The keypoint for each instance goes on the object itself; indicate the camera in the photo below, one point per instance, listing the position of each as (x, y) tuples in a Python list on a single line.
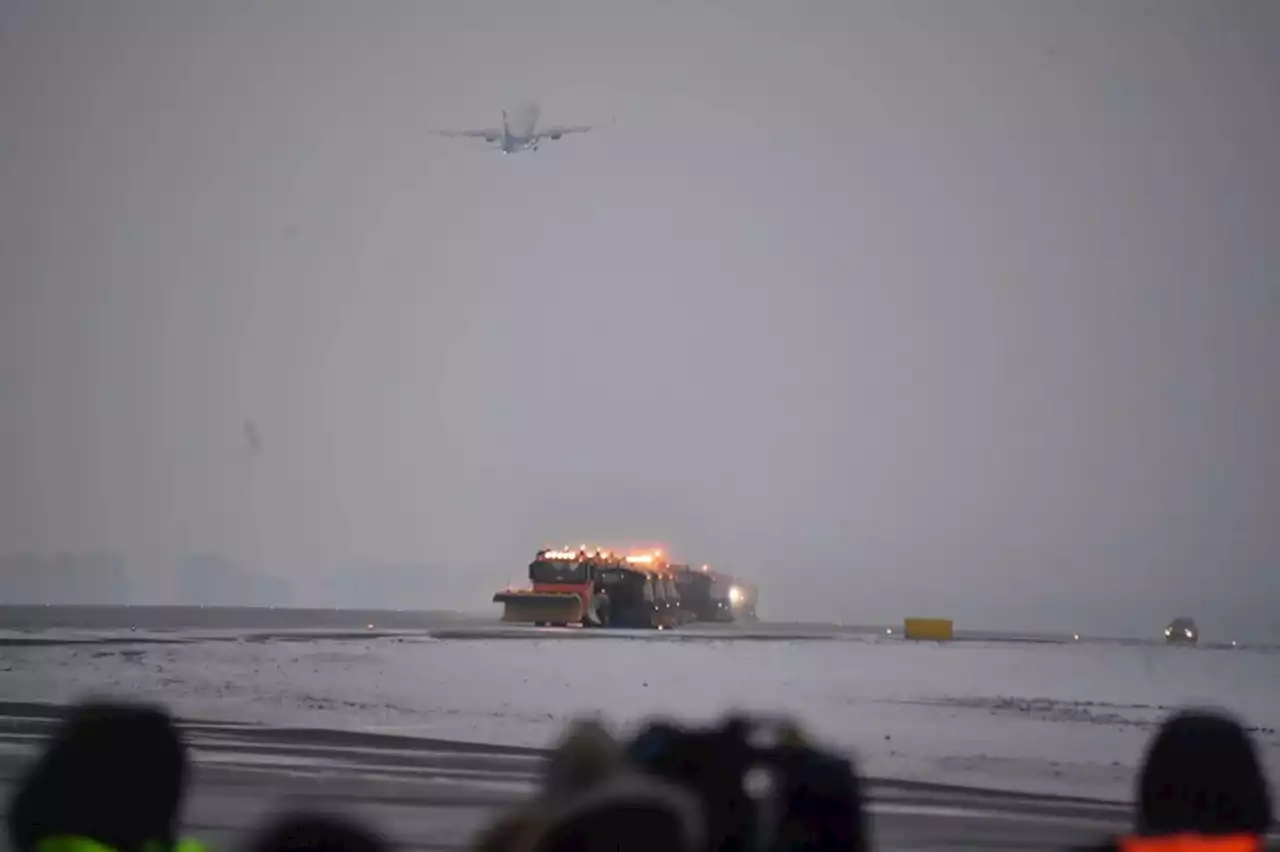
[(763, 787)]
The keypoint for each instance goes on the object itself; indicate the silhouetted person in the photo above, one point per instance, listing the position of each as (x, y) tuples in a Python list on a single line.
[(316, 833), (114, 773), (1202, 788), (1202, 775), (626, 814), (820, 804), (586, 756)]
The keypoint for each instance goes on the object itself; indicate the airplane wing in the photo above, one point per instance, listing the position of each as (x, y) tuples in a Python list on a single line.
[(557, 132), (486, 135)]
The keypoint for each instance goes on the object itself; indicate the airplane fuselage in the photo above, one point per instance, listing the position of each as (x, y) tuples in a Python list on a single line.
[(518, 128), (513, 144)]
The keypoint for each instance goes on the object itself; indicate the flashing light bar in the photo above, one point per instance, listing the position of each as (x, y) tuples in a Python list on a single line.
[(569, 554)]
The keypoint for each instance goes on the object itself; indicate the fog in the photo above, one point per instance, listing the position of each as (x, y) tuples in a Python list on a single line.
[(968, 309)]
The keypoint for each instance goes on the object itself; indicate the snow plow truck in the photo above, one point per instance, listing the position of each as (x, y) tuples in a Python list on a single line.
[(596, 588), (593, 587)]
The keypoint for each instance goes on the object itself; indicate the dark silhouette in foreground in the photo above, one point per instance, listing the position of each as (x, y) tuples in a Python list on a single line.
[(316, 833), (113, 772), (114, 775), (1202, 786)]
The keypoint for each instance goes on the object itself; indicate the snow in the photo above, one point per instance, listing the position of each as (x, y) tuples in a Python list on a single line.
[(1061, 718)]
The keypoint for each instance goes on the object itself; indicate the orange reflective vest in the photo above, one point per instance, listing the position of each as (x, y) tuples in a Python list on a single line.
[(1192, 843)]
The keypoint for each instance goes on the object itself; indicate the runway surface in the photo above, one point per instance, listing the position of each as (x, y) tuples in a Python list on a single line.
[(1065, 714), (433, 794)]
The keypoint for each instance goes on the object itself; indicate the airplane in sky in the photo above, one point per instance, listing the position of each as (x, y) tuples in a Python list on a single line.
[(519, 130)]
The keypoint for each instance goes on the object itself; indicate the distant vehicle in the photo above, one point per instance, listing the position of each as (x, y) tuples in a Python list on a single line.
[(519, 130), (595, 588), (1181, 631), (742, 601), (704, 593)]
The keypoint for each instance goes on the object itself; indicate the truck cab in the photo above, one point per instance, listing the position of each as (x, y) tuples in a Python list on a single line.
[(562, 590)]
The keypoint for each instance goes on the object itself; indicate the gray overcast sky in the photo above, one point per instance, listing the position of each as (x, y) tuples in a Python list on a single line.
[(970, 308)]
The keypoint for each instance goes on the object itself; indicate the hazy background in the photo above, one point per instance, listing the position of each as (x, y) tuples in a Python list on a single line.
[(968, 308)]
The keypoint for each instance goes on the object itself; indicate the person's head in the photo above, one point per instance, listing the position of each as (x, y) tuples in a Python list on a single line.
[(585, 755), (112, 772), (628, 813), (303, 832), (1202, 775), (508, 831)]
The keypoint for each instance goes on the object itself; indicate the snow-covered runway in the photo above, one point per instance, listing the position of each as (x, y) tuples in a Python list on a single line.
[(1054, 718)]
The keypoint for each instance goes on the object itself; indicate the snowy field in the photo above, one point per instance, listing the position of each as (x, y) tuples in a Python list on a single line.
[(1055, 718)]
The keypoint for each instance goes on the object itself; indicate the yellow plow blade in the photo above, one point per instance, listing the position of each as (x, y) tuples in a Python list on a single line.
[(539, 607)]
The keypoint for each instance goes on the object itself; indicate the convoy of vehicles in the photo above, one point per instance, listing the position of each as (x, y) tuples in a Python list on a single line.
[(594, 587)]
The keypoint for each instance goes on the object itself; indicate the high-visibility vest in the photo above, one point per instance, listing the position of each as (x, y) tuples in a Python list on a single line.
[(72, 843), (1192, 843)]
